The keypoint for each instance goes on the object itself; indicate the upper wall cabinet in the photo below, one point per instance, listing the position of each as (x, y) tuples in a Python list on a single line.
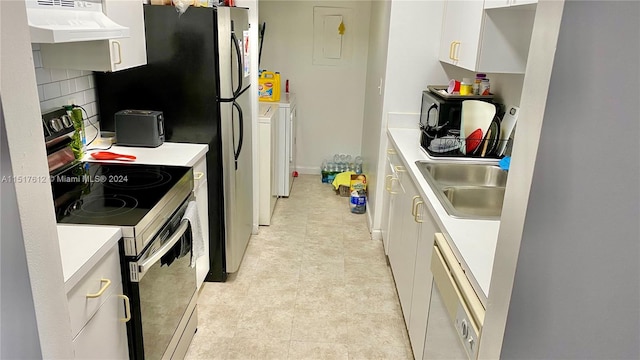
[(494, 41), (492, 4), (104, 55)]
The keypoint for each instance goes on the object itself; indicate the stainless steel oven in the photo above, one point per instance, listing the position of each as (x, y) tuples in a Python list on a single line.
[(148, 203), (162, 287), (455, 313)]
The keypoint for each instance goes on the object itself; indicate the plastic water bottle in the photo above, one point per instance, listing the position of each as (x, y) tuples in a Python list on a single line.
[(358, 165)]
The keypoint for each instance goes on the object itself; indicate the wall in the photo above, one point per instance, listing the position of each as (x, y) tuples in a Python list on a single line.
[(19, 331), (330, 98), (577, 283), (58, 87), (376, 76), (534, 99), (28, 160), (411, 64)]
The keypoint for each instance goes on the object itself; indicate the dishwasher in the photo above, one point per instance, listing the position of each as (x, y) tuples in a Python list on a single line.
[(455, 313)]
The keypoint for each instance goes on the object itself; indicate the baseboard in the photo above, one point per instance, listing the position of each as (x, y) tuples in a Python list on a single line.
[(308, 170), (376, 235)]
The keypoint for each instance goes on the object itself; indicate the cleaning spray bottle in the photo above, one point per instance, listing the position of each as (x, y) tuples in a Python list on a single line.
[(78, 139)]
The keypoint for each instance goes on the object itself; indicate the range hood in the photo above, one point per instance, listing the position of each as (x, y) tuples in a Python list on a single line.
[(60, 21)]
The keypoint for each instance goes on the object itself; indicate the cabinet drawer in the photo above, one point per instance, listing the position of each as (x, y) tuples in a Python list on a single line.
[(105, 335), (81, 307), (200, 173)]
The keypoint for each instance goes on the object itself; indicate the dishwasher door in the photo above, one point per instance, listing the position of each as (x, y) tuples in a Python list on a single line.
[(455, 313)]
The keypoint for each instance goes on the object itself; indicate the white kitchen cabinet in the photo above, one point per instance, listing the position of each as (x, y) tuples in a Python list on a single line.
[(461, 28), (98, 312), (411, 228), (105, 336), (493, 41), (104, 55), (422, 279), (202, 201), (391, 223), (402, 251), (493, 4)]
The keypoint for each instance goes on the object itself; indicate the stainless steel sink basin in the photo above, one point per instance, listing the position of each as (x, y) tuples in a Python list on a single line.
[(464, 174), (474, 202), (473, 191)]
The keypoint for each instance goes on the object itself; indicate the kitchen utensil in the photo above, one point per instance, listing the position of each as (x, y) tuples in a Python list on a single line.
[(486, 142), (505, 163), (473, 140), (492, 139), (507, 126), (108, 155), (476, 114), (454, 86)]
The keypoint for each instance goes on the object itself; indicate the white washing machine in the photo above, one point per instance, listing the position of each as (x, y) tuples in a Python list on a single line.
[(286, 164), (268, 141)]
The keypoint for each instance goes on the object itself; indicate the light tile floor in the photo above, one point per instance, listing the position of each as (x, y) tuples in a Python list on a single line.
[(313, 285)]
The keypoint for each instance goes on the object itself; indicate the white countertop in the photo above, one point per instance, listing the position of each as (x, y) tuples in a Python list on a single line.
[(174, 154), (81, 247), (473, 241)]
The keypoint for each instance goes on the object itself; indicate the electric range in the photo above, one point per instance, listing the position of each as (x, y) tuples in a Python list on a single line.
[(137, 198)]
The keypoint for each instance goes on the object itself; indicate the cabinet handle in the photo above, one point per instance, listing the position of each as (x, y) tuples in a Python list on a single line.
[(413, 204), (106, 282), (127, 308), (451, 50), (115, 42), (391, 151), (386, 182), (415, 216), (400, 168), (198, 175), (390, 187), (456, 47)]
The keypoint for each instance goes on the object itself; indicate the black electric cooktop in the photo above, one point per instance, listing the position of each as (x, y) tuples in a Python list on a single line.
[(112, 194)]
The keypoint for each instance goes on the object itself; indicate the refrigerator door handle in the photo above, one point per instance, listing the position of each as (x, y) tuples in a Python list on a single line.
[(241, 130), (234, 40)]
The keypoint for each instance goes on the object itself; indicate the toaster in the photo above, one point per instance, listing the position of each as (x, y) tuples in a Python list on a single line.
[(143, 128)]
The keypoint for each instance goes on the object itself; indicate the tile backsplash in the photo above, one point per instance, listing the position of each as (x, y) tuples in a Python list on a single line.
[(58, 87)]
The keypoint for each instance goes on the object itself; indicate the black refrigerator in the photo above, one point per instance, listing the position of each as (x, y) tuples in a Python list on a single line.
[(197, 74)]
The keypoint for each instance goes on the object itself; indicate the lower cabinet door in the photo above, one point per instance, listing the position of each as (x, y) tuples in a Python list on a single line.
[(422, 280), (105, 335)]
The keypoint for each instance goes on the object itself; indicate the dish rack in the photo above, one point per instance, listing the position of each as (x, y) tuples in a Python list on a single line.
[(450, 144)]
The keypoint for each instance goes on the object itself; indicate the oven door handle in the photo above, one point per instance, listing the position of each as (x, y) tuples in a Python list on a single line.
[(143, 267)]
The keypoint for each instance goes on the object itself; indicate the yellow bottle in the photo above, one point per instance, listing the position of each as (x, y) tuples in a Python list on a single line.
[(466, 87), (269, 86)]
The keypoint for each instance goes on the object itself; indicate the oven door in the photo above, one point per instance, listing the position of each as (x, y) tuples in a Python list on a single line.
[(455, 313), (162, 288)]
